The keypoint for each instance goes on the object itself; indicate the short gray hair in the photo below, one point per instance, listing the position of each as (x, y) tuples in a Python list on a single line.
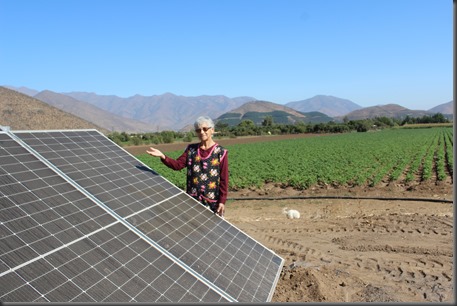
[(203, 119)]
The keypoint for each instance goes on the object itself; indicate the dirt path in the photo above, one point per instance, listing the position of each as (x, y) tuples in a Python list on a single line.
[(353, 249)]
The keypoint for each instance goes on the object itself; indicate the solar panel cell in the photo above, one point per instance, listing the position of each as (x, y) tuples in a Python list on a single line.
[(48, 281), (86, 279), (10, 282), (11, 212), (118, 296), (13, 289), (150, 294), (65, 292)]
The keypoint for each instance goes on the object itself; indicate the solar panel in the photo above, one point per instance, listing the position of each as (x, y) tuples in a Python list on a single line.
[(236, 266), (58, 245)]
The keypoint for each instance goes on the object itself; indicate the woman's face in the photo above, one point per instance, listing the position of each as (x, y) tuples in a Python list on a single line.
[(204, 132)]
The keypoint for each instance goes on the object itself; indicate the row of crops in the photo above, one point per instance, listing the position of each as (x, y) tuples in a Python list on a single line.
[(364, 159)]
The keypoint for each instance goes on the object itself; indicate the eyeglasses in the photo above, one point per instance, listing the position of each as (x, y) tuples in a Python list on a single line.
[(205, 129)]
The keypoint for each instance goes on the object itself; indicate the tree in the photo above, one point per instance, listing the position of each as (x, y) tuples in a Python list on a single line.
[(363, 126), (383, 121), (136, 140), (188, 137), (168, 136), (267, 121), (222, 129), (245, 128), (439, 118)]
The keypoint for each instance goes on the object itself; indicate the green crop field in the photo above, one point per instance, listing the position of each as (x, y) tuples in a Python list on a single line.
[(363, 159)]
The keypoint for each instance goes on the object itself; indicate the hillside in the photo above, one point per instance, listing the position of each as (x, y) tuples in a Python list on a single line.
[(91, 113), (445, 108), (257, 111), (329, 105), (264, 107), (22, 112), (388, 110)]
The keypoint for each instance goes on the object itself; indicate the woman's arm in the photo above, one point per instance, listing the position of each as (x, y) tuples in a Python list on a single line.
[(177, 164)]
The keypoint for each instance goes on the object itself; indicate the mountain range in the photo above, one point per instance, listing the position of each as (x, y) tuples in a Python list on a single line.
[(171, 112)]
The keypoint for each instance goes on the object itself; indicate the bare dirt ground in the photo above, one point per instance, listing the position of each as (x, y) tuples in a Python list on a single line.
[(350, 246), (354, 250)]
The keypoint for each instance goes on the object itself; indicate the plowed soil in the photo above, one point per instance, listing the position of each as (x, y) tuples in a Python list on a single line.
[(392, 243), (353, 250)]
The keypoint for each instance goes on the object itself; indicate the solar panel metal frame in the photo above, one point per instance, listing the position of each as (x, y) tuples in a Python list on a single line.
[(38, 276), (143, 217)]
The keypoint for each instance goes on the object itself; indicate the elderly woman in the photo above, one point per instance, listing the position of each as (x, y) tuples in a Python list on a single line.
[(207, 167)]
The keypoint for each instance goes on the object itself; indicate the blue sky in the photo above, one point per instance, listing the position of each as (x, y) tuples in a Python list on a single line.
[(372, 52)]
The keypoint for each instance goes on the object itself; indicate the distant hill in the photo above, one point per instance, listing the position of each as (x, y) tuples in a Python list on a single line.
[(445, 108), (257, 111), (22, 112), (91, 113), (329, 105), (388, 110), (24, 90)]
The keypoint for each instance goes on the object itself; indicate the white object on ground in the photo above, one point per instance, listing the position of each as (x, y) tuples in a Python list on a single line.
[(291, 213)]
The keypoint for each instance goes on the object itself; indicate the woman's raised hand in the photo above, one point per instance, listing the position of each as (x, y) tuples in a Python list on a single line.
[(154, 152)]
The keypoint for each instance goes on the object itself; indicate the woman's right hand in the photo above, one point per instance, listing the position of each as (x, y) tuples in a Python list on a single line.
[(155, 152)]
